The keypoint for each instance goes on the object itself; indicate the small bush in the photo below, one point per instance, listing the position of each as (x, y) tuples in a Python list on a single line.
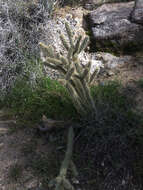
[(15, 172), (111, 93), (140, 82), (20, 32), (48, 97)]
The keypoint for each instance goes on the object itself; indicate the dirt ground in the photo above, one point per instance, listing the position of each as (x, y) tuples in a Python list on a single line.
[(129, 74)]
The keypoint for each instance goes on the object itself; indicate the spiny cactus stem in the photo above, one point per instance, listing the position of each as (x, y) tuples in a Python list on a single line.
[(64, 42), (68, 155), (75, 99), (88, 94), (64, 60), (69, 73), (62, 70), (73, 168), (54, 61), (77, 45), (60, 181), (83, 44), (88, 66), (70, 34), (48, 49), (85, 73), (93, 76), (79, 89), (70, 54), (59, 68), (80, 100), (78, 66), (50, 65)]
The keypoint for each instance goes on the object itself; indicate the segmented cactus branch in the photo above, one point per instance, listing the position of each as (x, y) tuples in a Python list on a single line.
[(76, 78), (61, 182)]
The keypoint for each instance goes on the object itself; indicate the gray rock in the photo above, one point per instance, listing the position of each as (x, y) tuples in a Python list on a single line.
[(137, 13), (110, 61), (110, 73), (112, 31), (92, 4)]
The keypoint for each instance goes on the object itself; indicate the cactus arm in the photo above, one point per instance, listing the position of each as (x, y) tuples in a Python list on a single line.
[(47, 49), (61, 69), (83, 44), (64, 42), (89, 97), (50, 65), (70, 54), (85, 73), (64, 60), (77, 103), (68, 155), (60, 181), (92, 77), (54, 61), (78, 67), (77, 45), (69, 73), (88, 66), (70, 34)]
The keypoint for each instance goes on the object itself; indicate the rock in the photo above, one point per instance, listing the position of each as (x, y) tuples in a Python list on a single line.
[(92, 4), (112, 31), (137, 13), (110, 73), (95, 64), (1, 145), (110, 61)]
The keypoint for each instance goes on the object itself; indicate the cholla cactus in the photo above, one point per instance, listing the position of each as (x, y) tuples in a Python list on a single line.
[(76, 78)]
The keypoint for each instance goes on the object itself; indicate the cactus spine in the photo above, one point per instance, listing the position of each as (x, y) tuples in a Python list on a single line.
[(77, 79)]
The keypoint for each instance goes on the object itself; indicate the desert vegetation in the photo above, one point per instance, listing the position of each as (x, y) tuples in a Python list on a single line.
[(100, 143)]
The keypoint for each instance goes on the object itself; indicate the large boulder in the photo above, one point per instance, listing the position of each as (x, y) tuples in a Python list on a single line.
[(111, 29), (137, 13), (92, 4)]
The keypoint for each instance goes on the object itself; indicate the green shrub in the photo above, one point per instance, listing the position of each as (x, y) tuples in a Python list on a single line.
[(110, 93), (48, 98), (140, 82), (15, 172)]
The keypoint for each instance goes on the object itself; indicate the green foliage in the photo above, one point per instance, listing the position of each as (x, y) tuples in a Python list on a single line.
[(76, 78), (45, 167), (15, 172), (111, 93), (48, 97), (140, 82)]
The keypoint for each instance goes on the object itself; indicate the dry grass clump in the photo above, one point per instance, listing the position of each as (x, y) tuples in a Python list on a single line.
[(20, 31)]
